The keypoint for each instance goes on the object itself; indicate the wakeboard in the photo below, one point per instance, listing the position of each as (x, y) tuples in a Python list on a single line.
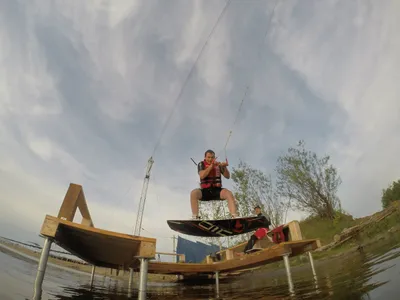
[(218, 228)]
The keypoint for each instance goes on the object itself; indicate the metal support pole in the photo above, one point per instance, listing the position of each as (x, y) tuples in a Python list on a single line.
[(44, 256), (313, 270), (217, 283), (289, 274), (312, 264), (130, 287), (143, 278), (92, 276)]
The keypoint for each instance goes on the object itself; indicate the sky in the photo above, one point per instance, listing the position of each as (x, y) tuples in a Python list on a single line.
[(87, 87)]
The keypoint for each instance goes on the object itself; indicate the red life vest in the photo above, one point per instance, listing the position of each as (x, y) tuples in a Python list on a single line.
[(213, 178)]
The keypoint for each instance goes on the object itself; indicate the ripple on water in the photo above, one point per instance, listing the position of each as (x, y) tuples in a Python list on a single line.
[(370, 274)]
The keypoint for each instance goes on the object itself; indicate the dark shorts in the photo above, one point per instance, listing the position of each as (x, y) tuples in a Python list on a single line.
[(211, 194)]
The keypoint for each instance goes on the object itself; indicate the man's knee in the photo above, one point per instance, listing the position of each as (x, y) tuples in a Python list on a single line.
[(226, 194), (196, 193)]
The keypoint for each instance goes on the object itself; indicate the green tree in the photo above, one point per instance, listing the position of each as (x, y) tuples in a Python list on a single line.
[(308, 181), (391, 193), (252, 187)]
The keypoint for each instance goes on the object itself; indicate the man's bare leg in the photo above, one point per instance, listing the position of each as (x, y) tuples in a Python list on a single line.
[(195, 196), (227, 195)]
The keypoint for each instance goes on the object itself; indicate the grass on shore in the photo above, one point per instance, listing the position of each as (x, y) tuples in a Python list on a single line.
[(325, 230)]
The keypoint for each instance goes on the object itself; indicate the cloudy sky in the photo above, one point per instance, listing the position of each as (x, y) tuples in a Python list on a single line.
[(87, 86)]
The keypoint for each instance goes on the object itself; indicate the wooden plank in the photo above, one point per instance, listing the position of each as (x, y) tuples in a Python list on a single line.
[(180, 268), (101, 231)]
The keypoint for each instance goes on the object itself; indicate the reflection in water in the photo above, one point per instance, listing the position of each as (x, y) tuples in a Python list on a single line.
[(367, 274)]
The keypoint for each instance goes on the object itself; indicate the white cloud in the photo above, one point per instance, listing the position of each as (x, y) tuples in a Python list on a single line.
[(86, 88), (348, 54), (197, 26)]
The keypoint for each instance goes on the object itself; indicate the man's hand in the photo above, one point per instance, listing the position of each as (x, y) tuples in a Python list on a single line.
[(224, 169), (224, 164), (213, 164)]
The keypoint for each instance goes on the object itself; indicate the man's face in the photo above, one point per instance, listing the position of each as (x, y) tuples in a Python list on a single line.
[(209, 157), (258, 210)]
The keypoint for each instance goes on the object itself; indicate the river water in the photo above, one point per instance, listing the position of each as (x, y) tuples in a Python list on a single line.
[(373, 273)]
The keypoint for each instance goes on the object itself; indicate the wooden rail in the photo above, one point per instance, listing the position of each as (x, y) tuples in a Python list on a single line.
[(265, 256), (181, 257)]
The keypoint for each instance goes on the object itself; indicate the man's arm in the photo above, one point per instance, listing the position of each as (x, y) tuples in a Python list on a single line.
[(203, 172), (225, 172)]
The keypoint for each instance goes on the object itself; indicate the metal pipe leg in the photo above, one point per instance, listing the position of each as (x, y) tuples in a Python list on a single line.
[(130, 282), (143, 278), (44, 256), (288, 273), (217, 283), (312, 264), (313, 270), (92, 277)]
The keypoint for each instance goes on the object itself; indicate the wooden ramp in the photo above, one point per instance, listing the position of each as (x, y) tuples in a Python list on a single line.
[(115, 250), (256, 259), (267, 255), (98, 247)]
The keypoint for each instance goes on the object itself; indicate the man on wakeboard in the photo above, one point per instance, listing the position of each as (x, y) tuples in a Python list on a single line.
[(211, 184)]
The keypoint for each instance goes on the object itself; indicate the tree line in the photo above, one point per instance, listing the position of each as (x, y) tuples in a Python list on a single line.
[(302, 181), (391, 194)]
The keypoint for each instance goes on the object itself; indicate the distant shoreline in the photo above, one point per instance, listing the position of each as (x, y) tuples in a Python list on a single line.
[(11, 250), (77, 267)]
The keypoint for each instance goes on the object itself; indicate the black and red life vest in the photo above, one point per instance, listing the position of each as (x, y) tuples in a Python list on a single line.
[(213, 178)]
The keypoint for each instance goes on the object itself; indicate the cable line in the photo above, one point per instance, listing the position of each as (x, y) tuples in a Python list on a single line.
[(189, 75)]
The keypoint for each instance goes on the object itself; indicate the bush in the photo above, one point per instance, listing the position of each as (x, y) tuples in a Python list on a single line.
[(391, 194)]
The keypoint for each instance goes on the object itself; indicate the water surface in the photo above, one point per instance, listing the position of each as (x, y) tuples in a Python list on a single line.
[(373, 273)]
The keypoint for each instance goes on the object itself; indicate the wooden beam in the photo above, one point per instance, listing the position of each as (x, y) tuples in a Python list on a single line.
[(147, 249), (181, 268), (181, 257), (75, 198), (294, 231), (168, 253), (84, 210)]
